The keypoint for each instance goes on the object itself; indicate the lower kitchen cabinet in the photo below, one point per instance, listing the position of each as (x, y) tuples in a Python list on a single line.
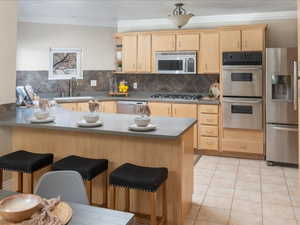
[(243, 141), (208, 143), (187, 111), (83, 107), (160, 109), (69, 106), (108, 107)]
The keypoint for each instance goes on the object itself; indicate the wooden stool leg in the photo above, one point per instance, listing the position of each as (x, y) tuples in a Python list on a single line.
[(1, 179), (153, 198), (20, 182), (105, 203), (164, 203), (112, 191), (27, 180), (88, 186), (127, 199)]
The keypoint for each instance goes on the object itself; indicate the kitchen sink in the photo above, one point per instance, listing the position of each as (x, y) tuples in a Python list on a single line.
[(73, 99)]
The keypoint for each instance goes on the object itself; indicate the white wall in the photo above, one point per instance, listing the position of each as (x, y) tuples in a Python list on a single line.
[(35, 40), (8, 27)]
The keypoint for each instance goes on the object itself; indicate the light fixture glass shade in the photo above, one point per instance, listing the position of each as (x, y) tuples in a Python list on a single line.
[(180, 20)]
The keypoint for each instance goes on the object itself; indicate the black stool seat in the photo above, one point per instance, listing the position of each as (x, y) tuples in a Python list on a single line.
[(138, 177), (24, 161), (88, 168)]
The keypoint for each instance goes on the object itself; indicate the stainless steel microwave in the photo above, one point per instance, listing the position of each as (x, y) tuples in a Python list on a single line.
[(176, 62)]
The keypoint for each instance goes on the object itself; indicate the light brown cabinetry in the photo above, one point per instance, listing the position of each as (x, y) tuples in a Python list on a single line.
[(160, 109), (144, 53), (243, 141), (230, 40), (209, 55), (208, 131), (187, 42), (245, 39), (129, 52), (108, 107), (187, 111), (83, 107), (253, 40), (163, 42), (69, 106)]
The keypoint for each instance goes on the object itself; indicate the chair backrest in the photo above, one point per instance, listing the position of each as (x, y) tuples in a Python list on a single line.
[(66, 184)]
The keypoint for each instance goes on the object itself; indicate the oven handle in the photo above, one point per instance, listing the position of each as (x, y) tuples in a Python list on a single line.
[(295, 86), (285, 129), (240, 101)]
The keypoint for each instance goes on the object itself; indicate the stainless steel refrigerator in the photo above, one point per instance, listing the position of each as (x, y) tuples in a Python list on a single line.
[(281, 106)]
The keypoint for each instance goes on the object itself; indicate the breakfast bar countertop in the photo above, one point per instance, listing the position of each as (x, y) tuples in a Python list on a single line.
[(115, 124)]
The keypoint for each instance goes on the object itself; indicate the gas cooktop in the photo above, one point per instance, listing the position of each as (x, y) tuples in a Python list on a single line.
[(187, 97)]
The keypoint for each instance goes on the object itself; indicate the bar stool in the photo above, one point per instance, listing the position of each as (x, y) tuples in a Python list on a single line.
[(24, 162), (88, 169), (147, 179)]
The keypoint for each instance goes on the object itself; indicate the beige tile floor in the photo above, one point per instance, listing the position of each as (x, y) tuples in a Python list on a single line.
[(229, 191)]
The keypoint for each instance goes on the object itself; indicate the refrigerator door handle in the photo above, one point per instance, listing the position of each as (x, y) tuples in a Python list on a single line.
[(295, 91), (286, 129)]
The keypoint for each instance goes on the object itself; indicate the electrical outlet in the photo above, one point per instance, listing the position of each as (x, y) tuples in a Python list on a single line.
[(93, 83), (135, 85)]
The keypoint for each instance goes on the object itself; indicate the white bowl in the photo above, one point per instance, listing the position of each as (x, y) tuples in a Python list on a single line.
[(19, 207), (41, 115), (91, 118), (142, 121)]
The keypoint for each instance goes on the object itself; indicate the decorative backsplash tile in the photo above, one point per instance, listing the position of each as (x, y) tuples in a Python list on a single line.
[(146, 83)]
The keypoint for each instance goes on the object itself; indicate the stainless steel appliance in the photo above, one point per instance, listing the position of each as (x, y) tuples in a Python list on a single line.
[(176, 62), (181, 97), (281, 105), (243, 113), (129, 107), (242, 90)]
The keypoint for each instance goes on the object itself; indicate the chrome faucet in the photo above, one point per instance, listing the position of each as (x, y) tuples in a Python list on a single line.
[(72, 86)]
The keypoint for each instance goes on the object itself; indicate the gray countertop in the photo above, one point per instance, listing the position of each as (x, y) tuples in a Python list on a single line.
[(141, 97), (114, 124)]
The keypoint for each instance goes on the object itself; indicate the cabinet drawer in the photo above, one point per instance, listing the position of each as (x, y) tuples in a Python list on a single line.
[(210, 131), (242, 146), (208, 119), (208, 143), (208, 109)]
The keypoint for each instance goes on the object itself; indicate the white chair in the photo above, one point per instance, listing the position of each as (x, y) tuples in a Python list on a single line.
[(66, 184)]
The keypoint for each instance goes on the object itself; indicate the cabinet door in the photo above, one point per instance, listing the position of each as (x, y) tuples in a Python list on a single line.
[(209, 55), (83, 107), (187, 111), (69, 106), (230, 40), (160, 109), (129, 53), (144, 53), (108, 107), (187, 42), (253, 40), (163, 42)]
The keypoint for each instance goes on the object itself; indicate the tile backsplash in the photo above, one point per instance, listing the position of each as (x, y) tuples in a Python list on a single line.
[(145, 83)]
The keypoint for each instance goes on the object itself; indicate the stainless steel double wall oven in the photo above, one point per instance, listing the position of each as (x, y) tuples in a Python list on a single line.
[(242, 90)]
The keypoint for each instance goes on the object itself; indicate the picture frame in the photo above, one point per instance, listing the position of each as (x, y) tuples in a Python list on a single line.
[(65, 63)]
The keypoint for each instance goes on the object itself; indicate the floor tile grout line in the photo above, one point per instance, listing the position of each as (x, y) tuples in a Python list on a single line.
[(234, 190)]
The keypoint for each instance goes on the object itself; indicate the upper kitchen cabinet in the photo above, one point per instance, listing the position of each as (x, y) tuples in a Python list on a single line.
[(253, 40), (209, 55), (144, 53), (129, 52), (230, 40), (163, 42), (187, 42)]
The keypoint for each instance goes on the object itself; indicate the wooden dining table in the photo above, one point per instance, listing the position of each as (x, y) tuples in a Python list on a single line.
[(90, 215)]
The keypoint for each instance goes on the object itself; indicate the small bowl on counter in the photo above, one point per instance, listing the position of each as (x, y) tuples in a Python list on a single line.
[(41, 114), (142, 121), (19, 207), (91, 117)]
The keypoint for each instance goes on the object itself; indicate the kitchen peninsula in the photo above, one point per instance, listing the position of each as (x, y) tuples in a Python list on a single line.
[(171, 146)]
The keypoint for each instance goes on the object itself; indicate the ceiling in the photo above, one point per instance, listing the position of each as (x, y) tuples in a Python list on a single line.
[(109, 12)]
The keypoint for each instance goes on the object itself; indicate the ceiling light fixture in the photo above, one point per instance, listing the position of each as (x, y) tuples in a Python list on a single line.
[(179, 16)]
